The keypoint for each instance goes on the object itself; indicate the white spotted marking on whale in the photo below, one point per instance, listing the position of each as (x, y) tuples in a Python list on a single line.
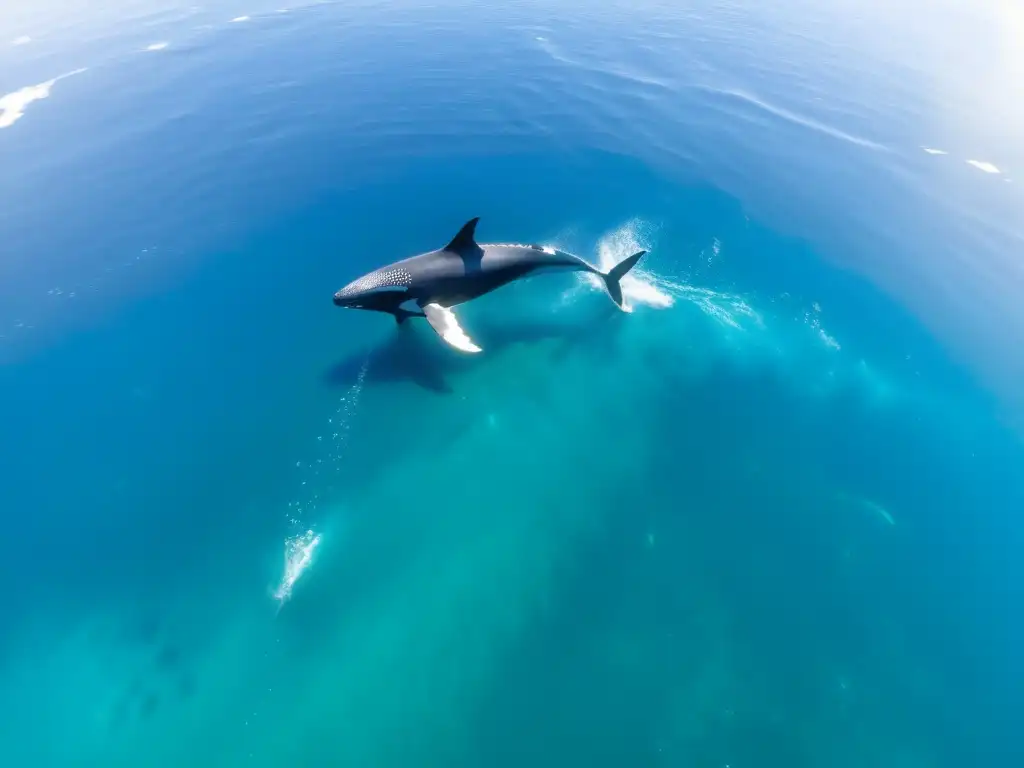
[(386, 279)]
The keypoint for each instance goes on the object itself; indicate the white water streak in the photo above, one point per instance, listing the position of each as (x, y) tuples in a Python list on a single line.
[(13, 105)]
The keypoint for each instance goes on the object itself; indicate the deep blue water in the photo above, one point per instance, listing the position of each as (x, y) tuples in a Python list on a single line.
[(772, 517)]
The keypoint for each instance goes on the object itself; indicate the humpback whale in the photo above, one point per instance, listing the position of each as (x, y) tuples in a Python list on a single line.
[(430, 284)]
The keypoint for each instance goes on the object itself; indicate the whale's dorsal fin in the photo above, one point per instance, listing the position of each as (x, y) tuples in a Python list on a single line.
[(464, 243)]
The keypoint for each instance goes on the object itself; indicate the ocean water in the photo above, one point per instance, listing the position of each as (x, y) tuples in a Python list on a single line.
[(770, 518)]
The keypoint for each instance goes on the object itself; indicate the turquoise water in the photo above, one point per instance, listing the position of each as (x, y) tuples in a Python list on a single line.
[(772, 517)]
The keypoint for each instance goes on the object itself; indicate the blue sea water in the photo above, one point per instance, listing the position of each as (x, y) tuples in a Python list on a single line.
[(771, 517)]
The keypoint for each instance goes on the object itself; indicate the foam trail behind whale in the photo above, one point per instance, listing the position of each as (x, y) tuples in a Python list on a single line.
[(639, 286)]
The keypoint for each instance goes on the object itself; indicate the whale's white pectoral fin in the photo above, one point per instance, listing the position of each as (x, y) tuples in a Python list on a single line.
[(444, 322)]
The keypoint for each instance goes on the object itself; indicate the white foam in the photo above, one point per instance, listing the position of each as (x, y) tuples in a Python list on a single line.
[(298, 557), (156, 46), (726, 308), (13, 105), (300, 547), (813, 319), (828, 340), (641, 286), (638, 285), (981, 165), (23, 40), (932, 151), (239, 19)]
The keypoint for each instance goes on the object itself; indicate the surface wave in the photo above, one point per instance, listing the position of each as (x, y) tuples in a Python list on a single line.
[(798, 119)]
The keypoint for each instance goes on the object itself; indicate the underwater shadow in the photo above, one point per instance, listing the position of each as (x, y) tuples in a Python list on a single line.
[(414, 354)]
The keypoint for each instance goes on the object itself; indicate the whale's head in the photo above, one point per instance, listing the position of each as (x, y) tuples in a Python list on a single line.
[(381, 290)]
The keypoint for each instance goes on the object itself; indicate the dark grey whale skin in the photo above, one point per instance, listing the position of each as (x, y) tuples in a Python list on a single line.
[(461, 271)]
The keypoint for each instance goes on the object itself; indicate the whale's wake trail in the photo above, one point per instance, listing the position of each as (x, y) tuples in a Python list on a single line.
[(301, 544), (639, 286), (643, 287)]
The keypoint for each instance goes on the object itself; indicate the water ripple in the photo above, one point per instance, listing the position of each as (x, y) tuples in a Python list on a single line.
[(798, 119)]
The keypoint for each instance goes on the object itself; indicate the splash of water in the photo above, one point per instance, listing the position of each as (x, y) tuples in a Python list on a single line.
[(298, 557), (745, 334), (302, 543), (639, 286), (729, 309), (813, 320), (643, 287)]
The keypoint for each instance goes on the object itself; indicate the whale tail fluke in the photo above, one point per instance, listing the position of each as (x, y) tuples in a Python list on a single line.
[(615, 274)]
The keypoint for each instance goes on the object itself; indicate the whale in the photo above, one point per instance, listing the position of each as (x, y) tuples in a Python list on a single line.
[(430, 284)]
